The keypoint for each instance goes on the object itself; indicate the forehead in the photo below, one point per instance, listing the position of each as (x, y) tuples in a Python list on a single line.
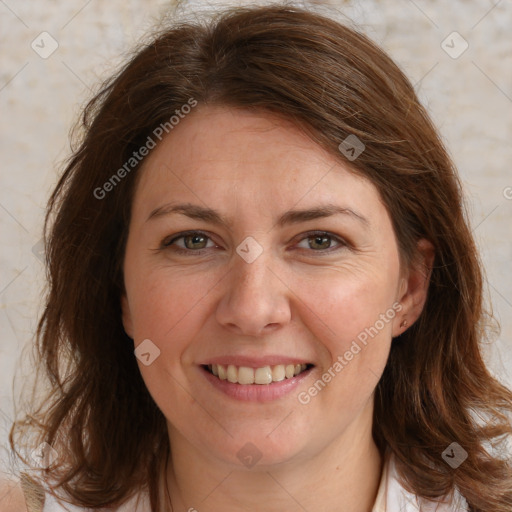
[(225, 155)]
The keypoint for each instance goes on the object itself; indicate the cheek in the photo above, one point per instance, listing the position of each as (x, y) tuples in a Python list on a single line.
[(167, 305), (342, 304), (352, 321), (351, 312), (168, 308)]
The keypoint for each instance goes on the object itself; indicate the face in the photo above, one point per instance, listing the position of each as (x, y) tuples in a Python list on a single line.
[(255, 255)]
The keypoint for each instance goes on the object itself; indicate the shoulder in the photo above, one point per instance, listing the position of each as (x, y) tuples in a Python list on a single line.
[(11, 496), (25, 495)]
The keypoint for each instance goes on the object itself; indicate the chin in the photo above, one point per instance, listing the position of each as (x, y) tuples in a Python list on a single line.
[(257, 450)]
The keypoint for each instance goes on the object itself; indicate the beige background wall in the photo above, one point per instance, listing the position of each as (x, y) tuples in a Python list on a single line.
[(469, 96)]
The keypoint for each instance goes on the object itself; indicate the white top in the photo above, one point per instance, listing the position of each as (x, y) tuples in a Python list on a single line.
[(138, 503), (391, 497)]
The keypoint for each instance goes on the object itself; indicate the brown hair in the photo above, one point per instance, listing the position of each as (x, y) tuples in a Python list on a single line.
[(333, 82)]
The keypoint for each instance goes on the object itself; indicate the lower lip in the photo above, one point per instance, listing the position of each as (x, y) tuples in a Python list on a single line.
[(256, 392)]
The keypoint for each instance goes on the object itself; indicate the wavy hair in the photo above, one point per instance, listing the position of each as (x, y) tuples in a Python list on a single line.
[(332, 81)]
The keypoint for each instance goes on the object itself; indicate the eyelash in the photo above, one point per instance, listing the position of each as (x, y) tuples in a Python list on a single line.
[(166, 243)]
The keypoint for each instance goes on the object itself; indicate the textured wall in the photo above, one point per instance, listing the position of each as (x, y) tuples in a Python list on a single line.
[(467, 90)]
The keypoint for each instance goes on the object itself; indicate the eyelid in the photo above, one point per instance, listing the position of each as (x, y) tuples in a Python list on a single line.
[(169, 241)]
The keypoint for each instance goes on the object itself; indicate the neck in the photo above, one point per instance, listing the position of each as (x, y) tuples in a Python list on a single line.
[(342, 477)]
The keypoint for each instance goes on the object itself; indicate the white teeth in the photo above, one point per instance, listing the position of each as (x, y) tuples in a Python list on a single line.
[(278, 373), (245, 375), (222, 371), (232, 373), (264, 375)]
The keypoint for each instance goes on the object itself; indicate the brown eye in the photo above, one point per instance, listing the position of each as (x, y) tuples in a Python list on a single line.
[(192, 242), (319, 242), (195, 241)]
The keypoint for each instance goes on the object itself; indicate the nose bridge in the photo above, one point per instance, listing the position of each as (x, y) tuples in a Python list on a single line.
[(254, 298), (251, 278), (250, 263)]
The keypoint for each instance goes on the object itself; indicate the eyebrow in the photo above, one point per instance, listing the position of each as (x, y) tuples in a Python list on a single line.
[(290, 217)]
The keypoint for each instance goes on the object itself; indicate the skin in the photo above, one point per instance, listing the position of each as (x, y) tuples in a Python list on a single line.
[(11, 496), (292, 300)]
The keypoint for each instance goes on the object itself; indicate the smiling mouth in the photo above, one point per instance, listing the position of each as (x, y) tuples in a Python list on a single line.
[(266, 375)]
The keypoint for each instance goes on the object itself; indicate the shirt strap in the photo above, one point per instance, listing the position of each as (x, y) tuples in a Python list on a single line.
[(33, 493)]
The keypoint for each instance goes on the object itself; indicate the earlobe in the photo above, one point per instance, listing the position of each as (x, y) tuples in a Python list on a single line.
[(414, 287), (126, 316)]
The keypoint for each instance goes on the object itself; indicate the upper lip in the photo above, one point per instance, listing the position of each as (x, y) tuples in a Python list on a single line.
[(255, 362)]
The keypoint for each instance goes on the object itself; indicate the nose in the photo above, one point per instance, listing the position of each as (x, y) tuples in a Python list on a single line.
[(255, 299)]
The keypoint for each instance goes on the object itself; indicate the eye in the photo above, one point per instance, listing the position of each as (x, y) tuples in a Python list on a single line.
[(192, 241), (321, 241), (195, 242)]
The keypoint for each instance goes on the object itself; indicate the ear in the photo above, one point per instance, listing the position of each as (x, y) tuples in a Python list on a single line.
[(126, 316), (414, 287)]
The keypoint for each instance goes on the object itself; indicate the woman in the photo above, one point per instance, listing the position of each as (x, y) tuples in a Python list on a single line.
[(263, 290)]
